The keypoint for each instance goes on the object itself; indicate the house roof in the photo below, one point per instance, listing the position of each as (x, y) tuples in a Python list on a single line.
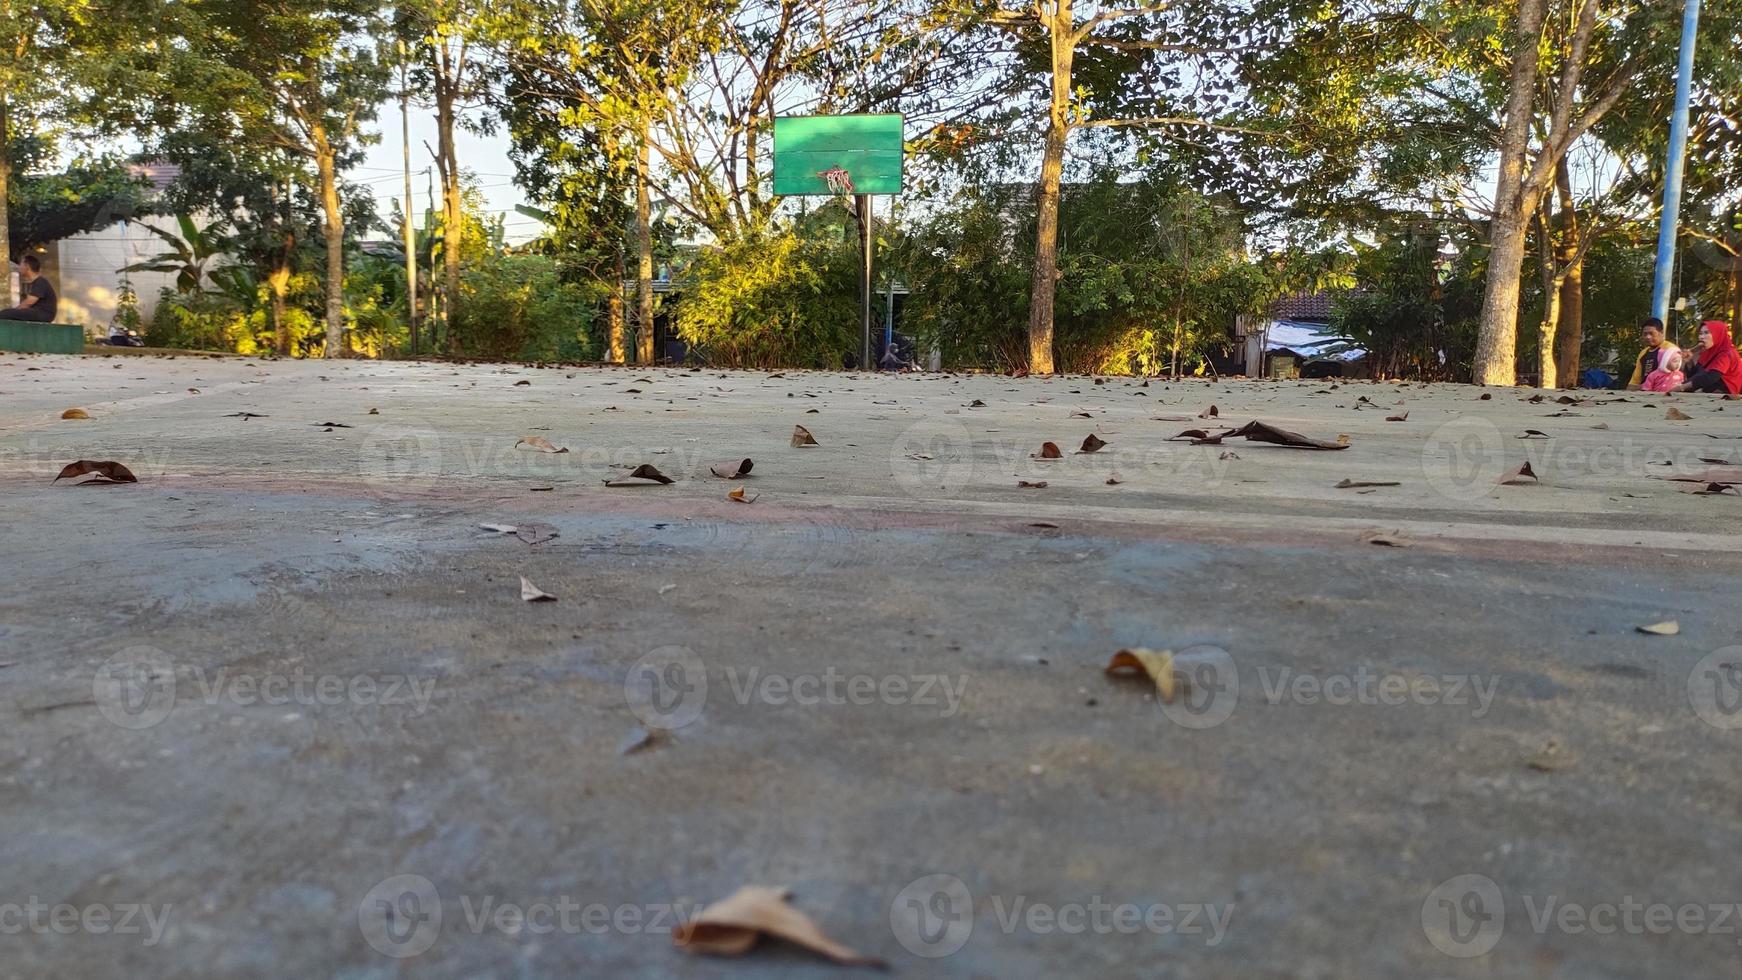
[(160, 174), (1303, 306)]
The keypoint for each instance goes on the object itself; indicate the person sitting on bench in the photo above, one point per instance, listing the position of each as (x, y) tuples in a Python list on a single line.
[(39, 301)]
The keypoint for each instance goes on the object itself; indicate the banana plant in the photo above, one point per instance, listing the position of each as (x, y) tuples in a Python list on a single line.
[(188, 254)]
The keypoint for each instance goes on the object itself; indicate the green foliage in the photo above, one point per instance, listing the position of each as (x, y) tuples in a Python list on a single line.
[(188, 254), (200, 321), (1147, 271), (1411, 307), (523, 307), (790, 297), (85, 197)]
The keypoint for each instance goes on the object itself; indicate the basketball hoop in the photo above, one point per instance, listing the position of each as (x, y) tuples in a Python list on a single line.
[(839, 180)]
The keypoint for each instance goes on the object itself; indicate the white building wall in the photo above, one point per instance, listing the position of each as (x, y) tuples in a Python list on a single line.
[(86, 270)]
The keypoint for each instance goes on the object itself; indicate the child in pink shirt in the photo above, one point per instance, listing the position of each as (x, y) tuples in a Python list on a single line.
[(1668, 373)]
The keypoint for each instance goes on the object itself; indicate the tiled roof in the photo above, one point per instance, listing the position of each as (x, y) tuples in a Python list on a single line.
[(1303, 306), (161, 175)]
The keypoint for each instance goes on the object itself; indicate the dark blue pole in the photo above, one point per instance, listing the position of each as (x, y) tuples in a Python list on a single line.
[(1677, 169)]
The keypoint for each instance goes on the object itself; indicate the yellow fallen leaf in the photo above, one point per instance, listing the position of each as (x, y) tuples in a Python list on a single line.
[(1668, 627), (75, 413), (731, 926), (739, 496), (1158, 664)]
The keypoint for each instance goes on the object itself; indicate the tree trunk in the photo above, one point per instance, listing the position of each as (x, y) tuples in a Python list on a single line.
[(1736, 288), (1546, 254), (1045, 285), (453, 216), (409, 232), (616, 332), (333, 226), (1570, 338), (1513, 209), (278, 285), (644, 254), (5, 192)]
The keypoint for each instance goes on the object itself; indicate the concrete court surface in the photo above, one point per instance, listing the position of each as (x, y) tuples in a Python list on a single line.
[(279, 710)]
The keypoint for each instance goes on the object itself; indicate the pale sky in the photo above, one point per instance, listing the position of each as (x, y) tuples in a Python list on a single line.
[(485, 156)]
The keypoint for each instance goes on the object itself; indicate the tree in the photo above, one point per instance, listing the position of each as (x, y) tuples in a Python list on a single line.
[(1100, 61), (300, 78), (449, 41), (88, 196)]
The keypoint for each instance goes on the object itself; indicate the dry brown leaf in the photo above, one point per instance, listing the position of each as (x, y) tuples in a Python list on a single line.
[(1386, 540), (107, 471), (534, 532), (1399, 417), (1668, 627), (1048, 450), (1031, 485), (1265, 432), (1114, 481), (1520, 473), (75, 413), (1092, 444), (1353, 484), (532, 593), (1534, 434), (731, 470), (1157, 664), (541, 444), (1230, 454), (1677, 415), (740, 497), (801, 436), (640, 476), (1210, 413), (732, 926)]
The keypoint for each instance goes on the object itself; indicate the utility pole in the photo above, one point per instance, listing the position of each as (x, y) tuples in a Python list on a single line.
[(410, 229), (1677, 168)]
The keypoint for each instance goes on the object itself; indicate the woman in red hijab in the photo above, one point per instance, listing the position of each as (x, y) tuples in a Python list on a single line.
[(1719, 367)]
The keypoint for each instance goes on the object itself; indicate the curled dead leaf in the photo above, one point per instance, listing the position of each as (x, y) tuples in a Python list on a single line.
[(1210, 413), (1031, 484), (1668, 627), (740, 497), (1048, 450), (1677, 415), (1399, 417), (1092, 444), (75, 413), (532, 593), (731, 470), (541, 444), (1534, 434), (1353, 484), (106, 471), (1522, 472), (733, 925), (1157, 664), (640, 476), (801, 437)]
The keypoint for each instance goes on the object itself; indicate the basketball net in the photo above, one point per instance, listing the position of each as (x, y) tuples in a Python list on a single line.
[(839, 180)]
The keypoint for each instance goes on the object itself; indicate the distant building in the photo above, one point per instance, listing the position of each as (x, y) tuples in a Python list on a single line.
[(1295, 333), (86, 269)]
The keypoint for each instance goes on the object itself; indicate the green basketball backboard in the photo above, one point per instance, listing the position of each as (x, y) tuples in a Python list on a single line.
[(868, 147)]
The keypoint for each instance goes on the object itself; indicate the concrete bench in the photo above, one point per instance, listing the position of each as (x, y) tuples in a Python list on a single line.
[(24, 336)]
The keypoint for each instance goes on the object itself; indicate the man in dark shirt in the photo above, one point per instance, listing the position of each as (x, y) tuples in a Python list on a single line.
[(1651, 331), (39, 302)]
